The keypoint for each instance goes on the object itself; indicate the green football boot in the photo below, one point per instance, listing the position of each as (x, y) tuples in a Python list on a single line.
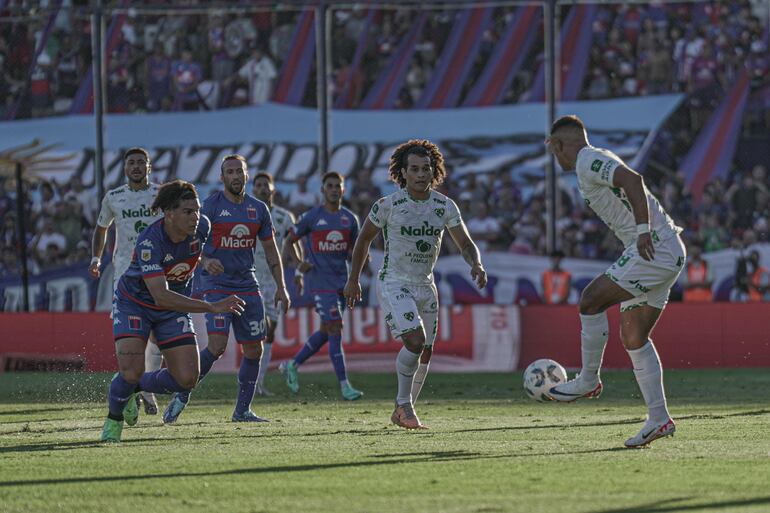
[(289, 369), (112, 430), (350, 393)]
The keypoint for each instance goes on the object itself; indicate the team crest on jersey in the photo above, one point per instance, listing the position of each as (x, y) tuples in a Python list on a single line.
[(439, 212), (345, 221), (146, 255), (219, 322), (409, 316), (139, 226), (251, 213), (195, 246), (596, 165), (134, 322)]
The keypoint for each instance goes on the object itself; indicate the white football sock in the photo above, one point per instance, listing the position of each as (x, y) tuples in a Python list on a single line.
[(264, 362), (419, 380), (649, 375), (593, 338), (406, 366)]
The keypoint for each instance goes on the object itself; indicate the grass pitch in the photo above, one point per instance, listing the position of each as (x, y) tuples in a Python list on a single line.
[(489, 449)]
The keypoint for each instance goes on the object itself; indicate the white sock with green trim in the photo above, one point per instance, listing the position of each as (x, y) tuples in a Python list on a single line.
[(649, 376), (594, 333), (406, 366), (419, 379)]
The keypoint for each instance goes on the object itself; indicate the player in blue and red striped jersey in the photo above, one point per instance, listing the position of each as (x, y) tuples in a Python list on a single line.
[(153, 295), (239, 222), (329, 232)]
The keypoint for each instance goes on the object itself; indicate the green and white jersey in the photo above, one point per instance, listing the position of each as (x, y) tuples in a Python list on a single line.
[(595, 168), (283, 220), (412, 230), (130, 210)]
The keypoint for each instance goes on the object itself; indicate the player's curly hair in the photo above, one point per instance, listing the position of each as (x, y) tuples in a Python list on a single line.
[(171, 194), (421, 148)]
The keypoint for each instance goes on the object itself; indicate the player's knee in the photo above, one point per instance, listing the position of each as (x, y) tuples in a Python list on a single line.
[(332, 328), (632, 338), (414, 342), (253, 351), (188, 380), (589, 303)]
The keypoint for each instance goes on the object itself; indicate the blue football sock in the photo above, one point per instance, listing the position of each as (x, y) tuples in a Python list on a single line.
[(119, 392), (337, 357), (247, 383), (207, 359), (311, 347), (160, 382)]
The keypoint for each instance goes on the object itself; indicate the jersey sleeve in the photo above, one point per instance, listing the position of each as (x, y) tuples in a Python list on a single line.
[(598, 169), (453, 215), (106, 215), (266, 226), (379, 213), (302, 227)]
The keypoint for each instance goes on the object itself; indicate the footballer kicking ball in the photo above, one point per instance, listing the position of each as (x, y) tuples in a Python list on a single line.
[(540, 376)]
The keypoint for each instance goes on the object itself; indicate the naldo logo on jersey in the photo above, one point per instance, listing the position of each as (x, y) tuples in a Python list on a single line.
[(421, 231), (128, 213), (239, 238)]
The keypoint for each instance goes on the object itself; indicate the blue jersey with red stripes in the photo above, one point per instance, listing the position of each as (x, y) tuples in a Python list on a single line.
[(329, 238), (155, 254), (236, 229)]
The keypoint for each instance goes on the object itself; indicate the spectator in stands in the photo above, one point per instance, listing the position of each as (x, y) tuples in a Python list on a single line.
[(557, 283), (258, 74), (68, 221), (484, 228), (41, 87), (157, 79), (84, 197), (742, 197), (8, 262), (48, 244), (757, 279), (117, 84), (186, 75), (300, 199), (698, 278)]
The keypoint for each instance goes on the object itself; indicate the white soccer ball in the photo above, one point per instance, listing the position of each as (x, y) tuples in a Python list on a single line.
[(540, 376)]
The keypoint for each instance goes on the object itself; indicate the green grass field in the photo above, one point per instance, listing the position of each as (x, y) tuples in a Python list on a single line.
[(489, 449)]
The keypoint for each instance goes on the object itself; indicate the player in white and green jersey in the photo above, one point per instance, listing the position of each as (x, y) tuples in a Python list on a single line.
[(128, 206), (283, 220), (640, 280), (412, 221)]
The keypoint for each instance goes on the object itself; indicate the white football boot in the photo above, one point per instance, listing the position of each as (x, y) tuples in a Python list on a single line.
[(651, 432), (575, 389)]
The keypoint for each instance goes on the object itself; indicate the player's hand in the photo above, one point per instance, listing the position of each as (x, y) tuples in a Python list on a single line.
[(299, 283), (230, 304), (282, 300), (352, 292), (304, 267), (93, 269), (644, 246), (213, 266), (479, 275)]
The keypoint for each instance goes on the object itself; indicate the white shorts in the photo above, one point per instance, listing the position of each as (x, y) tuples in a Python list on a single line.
[(409, 307), (649, 282)]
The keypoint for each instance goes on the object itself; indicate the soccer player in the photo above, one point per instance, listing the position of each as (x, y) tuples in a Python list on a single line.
[(283, 220), (129, 207), (640, 280), (238, 220), (329, 232), (412, 220), (153, 295)]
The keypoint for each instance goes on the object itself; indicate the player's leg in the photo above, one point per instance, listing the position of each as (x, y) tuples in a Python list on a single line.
[(404, 322), (597, 297), (247, 383), (333, 325), (249, 331), (122, 390), (153, 360), (428, 309), (311, 347), (271, 321)]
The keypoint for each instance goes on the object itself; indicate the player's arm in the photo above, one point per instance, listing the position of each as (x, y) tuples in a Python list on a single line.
[(470, 253), (99, 239), (360, 256), (633, 185), (273, 259), (170, 300)]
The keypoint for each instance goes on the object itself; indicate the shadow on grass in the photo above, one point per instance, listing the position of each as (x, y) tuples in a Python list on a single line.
[(32, 411), (670, 505), (426, 457)]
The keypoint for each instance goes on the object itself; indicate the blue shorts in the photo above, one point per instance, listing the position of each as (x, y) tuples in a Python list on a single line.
[(130, 319), (329, 305), (249, 327)]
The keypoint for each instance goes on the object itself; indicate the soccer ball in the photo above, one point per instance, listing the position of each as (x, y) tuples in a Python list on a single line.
[(540, 376)]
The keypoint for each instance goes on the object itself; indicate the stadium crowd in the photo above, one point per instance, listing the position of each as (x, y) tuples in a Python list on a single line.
[(159, 64)]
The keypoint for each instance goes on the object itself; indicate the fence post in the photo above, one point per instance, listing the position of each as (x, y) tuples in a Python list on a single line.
[(322, 85), (550, 70), (97, 56), (22, 232)]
